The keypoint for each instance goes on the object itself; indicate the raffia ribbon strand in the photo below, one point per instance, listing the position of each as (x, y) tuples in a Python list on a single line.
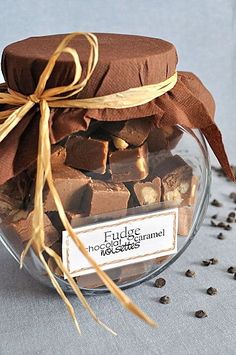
[(47, 98)]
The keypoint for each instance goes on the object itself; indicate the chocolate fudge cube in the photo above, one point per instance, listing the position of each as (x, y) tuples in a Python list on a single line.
[(155, 159), (73, 218), (58, 156), (163, 138), (157, 140), (14, 194), (176, 177), (103, 197), (185, 220), (148, 192), (71, 185), (94, 281), (20, 226), (173, 135), (87, 154), (132, 271), (189, 194), (129, 164), (134, 131)]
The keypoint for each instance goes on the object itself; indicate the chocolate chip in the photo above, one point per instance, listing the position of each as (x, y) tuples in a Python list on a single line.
[(200, 314), (216, 203), (227, 227), (232, 270), (232, 195), (221, 225), (214, 216), (232, 215), (214, 261), (214, 224), (164, 300), (230, 220), (159, 283), (190, 273), (206, 262), (221, 236), (212, 291)]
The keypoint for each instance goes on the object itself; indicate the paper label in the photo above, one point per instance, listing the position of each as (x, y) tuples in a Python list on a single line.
[(121, 242)]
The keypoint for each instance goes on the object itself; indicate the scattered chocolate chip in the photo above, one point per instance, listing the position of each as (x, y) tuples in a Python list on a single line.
[(159, 283), (206, 262), (230, 220), (232, 195), (164, 300), (221, 236), (214, 261), (200, 314), (216, 203), (212, 291), (232, 270), (235, 276), (232, 215), (228, 227), (214, 216), (221, 225), (214, 224), (190, 273)]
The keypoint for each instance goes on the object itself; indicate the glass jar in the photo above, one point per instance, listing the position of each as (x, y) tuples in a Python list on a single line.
[(175, 174)]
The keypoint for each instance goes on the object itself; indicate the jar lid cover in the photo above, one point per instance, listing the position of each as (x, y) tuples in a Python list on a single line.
[(125, 61)]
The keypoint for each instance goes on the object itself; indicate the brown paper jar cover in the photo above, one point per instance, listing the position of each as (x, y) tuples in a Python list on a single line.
[(125, 61)]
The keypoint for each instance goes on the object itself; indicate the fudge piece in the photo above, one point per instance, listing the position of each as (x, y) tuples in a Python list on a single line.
[(70, 184), (163, 138), (58, 156), (134, 131), (129, 164), (176, 177), (14, 194), (103, 197), (189, 198), (94, 281), (173, 135), (54, 267), (156, 140), (148, 192), (20, 226), (162, 259), (87, 154), (129, 272), (155, 159), (57, 247), (73, 217), (185, 220)]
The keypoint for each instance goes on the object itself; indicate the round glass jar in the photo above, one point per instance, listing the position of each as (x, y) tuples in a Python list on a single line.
[(175, 174)]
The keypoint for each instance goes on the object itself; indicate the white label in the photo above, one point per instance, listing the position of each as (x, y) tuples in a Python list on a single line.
[(121, 242)]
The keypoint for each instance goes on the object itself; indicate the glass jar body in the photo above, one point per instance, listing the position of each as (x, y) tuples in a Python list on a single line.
[(188, 151)]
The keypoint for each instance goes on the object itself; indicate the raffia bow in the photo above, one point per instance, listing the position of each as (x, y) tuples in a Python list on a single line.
[(60, 97)]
